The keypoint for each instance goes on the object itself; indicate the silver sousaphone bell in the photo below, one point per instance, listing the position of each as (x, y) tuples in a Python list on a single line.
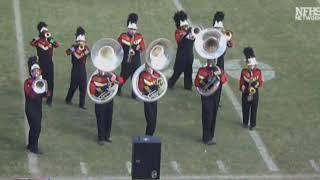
[(158, 57), (210, 44), (106, 55)]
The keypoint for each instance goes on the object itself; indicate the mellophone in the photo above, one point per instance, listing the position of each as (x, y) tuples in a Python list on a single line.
[(107, 54)]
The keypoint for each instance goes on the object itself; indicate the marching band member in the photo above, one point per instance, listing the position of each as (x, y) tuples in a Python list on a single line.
[(209, 103), (33, 106), (218, 19), (184, 56), (79, 53), (148, 83), (44, 44), (99, 84), (133, 45), (250, 80)]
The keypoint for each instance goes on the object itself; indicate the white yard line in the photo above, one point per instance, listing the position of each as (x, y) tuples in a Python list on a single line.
[(32, 159), (129, 166), (254, 134), (175, 167), (314, 165), (208, 177), (222, 167), (83, 168)]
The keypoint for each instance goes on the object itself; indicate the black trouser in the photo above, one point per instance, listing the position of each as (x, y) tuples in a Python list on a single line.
[(104, 119), (249, 109), (78, 80), (150, 112), (220, 64), (127, 70), (34, 115), (47, 74), (209, 114), (182, 65)]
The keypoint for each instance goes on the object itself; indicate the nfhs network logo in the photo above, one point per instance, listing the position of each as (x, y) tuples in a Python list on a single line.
[(308, 13)]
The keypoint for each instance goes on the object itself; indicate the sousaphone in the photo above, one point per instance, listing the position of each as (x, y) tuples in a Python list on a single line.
[(106, 55), (159, 54), (210, 44)]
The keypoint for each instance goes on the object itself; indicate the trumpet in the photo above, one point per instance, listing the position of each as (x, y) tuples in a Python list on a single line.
[(81, 47), (195, 30), (39, 86), (229, 34), (47, 34)]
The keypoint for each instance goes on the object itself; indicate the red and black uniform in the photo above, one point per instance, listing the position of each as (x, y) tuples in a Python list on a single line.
[(130, 63), (147, 84), (210, 103), (99, 84), (78, 72), (33, 110), (250, 78), (44, 48), (184, 58)]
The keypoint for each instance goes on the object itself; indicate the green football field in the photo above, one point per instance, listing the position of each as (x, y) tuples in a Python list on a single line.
[(285, 144)]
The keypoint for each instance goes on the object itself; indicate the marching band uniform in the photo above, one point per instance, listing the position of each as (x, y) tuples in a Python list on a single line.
[(209, 103), (44, 45), (251, 77), (148, 82), (33, 107), (133, 45), (79, 53), (184, 56), (99, 84)]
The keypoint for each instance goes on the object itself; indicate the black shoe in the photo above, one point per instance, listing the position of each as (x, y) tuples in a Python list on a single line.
[(245, 126), (49, 103), (211, 142), (82, 107), (100, 142), (189, 89), (108, 140), (251, 128), (37, 152), (68, 102)]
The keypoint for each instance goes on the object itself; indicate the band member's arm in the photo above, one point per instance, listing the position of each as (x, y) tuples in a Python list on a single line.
[(180, 34), (138, 44), (231, 44), (34, 42), (223, 77), (70, 50), (92, 87), (28, 89), (141, 83), (242, 81), (53, 42), (201, 77), (123, 39), (260, 81), (86, 50)]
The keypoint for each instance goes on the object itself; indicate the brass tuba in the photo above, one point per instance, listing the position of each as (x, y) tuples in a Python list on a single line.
[(210, 44), (106, 55), (158, 57)]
